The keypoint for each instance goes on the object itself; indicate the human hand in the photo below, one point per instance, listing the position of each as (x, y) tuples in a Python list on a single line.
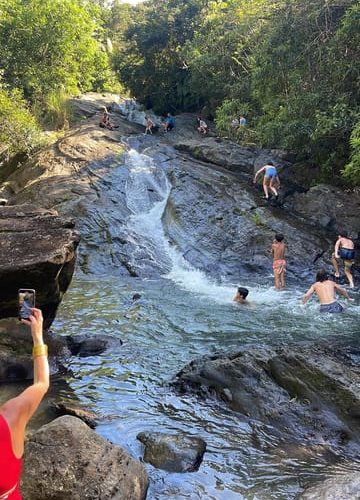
[(35, 322)]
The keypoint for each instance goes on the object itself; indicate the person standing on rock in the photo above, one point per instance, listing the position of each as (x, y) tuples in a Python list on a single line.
[(149, 125), (271, 179), (278, 249), (16, 413), (325, 289), (344, 249)]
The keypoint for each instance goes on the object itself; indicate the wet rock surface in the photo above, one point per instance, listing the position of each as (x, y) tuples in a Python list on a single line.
[(340, 487), (66, 459), (304, 394), (38, 251), (174, 453), (85, 345)]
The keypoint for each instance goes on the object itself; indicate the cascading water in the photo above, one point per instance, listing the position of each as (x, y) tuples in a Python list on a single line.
[(184, 315)]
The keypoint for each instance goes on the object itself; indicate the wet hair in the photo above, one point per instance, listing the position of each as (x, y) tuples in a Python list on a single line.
[(322, 275), (270, 163), (243, 292), (136, 296), (343, 234), (279, 237)]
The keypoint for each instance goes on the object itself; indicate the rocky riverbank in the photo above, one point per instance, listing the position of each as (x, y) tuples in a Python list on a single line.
[(216, 218)]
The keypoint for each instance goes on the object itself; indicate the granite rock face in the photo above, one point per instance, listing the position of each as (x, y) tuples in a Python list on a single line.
[(345, 487), (66, 459), (305, 395), (38, 251)]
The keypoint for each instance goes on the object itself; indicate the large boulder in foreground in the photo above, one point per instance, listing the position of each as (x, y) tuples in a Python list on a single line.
[(66, 459), (345, 487), (38, 250), (302, 395)]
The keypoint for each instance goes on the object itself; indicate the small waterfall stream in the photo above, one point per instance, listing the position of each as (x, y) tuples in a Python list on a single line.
[(184, 314)]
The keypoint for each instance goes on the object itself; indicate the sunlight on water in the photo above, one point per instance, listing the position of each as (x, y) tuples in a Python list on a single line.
[(184, 314)]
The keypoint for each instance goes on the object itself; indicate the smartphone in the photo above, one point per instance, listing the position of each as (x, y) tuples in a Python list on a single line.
[(26, 302)]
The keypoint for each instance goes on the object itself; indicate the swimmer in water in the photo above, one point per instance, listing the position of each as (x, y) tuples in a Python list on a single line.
[(240, 297), (325, 289)]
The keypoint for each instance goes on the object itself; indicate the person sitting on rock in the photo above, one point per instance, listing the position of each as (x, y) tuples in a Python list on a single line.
[(242, 121), (325, 290), (169, 123), (203, 127), (105, 123), (149, 125), (16, 413), (271, 179), (344, 249)]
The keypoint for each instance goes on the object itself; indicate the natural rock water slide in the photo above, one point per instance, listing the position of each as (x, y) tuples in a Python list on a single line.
[(158, 210)]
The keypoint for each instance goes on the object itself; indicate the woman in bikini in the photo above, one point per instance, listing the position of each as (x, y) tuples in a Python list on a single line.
[(16, 413)]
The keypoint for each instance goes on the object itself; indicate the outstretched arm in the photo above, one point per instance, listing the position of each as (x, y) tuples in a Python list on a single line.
[(342, 291), (19, 410), (337, 245), (258, 172), (308, 294)]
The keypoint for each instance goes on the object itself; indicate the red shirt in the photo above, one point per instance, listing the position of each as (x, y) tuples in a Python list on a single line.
[(10, 466)]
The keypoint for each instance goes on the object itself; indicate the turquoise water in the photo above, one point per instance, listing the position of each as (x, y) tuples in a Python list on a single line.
[(177, 321)]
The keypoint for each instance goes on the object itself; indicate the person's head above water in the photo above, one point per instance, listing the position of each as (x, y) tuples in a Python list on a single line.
[(279, 237), (322, 275), (243, 292), (136, 296)]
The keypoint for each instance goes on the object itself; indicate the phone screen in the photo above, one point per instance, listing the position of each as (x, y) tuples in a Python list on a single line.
[(26, 302)]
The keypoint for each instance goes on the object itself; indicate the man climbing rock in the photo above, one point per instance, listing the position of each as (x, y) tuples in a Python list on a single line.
[(271, 179), (344, 249)]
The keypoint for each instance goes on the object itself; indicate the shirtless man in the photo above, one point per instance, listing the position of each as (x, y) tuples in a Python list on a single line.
[(278, 249), (325, 290), (271, 179), (344, 249)]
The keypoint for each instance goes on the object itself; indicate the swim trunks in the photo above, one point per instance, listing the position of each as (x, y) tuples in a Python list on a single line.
[(334, 307), (279, 266), (270, 172), (347, 253)]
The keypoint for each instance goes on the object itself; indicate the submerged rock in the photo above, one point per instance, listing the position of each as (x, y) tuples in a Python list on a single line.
[(84, 345), (38, 251), (174, 453), (302, 394), (66, 459), (340, 487)]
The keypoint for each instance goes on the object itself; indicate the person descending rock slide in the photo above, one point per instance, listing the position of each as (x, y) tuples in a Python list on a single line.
[(271, 179), (325, 290), (344, 249)]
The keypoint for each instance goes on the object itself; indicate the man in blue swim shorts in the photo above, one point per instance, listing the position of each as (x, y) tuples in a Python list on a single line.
[(271, 179), (325, 289), (344, 249)]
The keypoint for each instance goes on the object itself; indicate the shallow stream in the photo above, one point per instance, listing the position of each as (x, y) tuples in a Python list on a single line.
[(182, 315)]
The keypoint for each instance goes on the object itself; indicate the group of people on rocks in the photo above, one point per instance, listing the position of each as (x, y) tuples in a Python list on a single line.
[(324, 287)]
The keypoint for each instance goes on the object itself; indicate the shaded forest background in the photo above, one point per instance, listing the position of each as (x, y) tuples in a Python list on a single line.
[(292, 67)]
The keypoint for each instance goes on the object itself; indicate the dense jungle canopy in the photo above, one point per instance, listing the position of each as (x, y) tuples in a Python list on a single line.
[(292, 67)]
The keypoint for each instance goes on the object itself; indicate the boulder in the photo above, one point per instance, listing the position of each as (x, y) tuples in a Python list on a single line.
[(329, 207), (38, 251), (304, 395), (84, 345), (66, 408), (340, 487), (173, 452), (15, 351), (66, 459)]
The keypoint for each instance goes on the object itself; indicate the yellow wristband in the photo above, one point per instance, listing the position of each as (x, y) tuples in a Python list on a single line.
[(40, 350)]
